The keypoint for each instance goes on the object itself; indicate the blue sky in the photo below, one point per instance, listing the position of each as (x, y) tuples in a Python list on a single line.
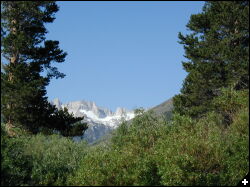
[(120, 53)]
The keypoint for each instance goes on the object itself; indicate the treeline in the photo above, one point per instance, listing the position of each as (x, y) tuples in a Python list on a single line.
[(205, 143)]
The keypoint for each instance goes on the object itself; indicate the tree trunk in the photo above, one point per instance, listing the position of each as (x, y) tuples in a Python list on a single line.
[(13, 60)]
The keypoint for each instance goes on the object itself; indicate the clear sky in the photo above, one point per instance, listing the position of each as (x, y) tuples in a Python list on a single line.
[(120, 54)]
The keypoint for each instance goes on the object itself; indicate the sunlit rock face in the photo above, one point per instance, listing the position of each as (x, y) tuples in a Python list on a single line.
[(100, 120)]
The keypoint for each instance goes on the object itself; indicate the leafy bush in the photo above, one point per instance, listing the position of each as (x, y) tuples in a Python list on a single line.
[(237, 147), (149, 151), (190, 154), (38, 159), (142, 131), (203, 152), (54, 157), (115, 168), (15, 165), (229, 102), (128, 160)]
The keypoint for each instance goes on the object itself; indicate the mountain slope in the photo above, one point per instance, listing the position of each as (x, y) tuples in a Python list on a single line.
[(164, 109)]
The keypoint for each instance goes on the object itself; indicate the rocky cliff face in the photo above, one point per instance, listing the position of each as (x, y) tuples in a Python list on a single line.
[(100, 120)]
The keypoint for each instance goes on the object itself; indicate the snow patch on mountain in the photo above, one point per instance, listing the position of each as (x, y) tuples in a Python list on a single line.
[(100, 120), (111, 120)]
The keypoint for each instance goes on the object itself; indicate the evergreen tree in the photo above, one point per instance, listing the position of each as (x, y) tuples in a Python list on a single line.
[(218, 52), (28, 55)]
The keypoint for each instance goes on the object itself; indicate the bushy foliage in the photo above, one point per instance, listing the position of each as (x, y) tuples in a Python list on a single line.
[(38, 159), (143, 131), (204, 151), (145, 151), (229, 102), (15, 165), (116, 168), (237, 146), (127, 160), (149, 151), (54, 157)]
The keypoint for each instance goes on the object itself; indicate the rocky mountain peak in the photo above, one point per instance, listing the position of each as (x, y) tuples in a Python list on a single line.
[(100, 120), (57, 103), (120, 111)]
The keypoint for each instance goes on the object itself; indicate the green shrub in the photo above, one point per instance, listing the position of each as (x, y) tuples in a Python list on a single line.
[(229, 102), (142, 131), (237, 148), (38, 159), (54, 157), (128, 160), (190, 155), (115, 168), (16, 166), (203, 152)]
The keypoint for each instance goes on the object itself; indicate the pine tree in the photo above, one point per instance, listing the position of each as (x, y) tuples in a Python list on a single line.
[(28, 55), (218, 52)]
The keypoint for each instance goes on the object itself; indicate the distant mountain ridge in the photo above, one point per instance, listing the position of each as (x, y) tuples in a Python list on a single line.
[(100, 120)]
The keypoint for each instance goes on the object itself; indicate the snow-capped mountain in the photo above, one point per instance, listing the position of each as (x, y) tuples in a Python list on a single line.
[(100, 120)]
